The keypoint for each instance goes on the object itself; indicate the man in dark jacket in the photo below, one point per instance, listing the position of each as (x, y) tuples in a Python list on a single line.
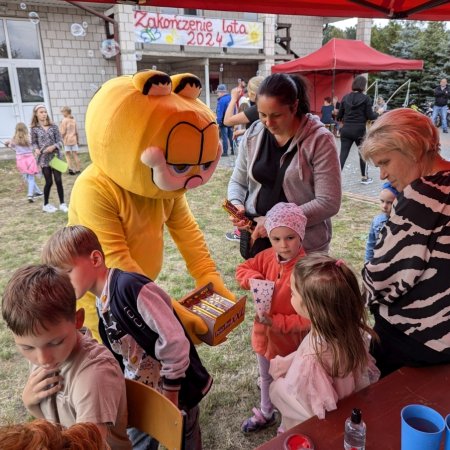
[(226, 133), (440, 104)]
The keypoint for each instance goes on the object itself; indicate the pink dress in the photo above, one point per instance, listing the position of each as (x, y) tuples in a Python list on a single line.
[(302, 388)]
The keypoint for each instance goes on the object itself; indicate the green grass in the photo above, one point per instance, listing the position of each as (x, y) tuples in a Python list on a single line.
[(24, 229)]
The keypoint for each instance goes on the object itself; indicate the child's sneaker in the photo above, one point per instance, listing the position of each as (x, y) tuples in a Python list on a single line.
[(63, 207), (38, 194), (232, 236), (258, 421), (366, 180), (30, 199), (48, 208)]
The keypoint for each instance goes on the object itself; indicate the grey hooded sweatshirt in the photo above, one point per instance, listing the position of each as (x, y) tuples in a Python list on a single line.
[(312, 180)]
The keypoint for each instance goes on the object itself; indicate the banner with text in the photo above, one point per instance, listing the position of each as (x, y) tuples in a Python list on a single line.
[(157, 28)]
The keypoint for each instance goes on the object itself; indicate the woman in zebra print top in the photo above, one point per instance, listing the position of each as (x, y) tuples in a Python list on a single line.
[(408, 280)]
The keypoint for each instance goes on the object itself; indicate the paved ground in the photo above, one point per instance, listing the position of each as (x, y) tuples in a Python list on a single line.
[(350, 175)]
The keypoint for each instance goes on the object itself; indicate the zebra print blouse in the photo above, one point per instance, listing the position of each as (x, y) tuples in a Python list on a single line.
[(409, 276)]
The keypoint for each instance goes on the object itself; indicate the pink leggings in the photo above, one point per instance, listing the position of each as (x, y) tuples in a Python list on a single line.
[(266, 379)]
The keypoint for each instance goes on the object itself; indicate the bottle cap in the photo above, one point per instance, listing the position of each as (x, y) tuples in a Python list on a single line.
[(356, 415)]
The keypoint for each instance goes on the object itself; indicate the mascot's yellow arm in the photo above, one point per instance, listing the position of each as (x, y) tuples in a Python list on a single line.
[(130, 228)]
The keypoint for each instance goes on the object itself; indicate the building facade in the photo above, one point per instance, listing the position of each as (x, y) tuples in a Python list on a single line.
[(58, 53)]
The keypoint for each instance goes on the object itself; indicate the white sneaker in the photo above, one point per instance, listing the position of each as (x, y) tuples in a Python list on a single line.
[(63, 207), (49, 208), (366, 180)]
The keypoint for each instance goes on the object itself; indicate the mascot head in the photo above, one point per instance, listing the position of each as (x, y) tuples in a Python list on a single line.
[(152, 135)]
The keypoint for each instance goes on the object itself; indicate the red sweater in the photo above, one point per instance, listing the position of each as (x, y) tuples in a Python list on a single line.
[(288, 328)]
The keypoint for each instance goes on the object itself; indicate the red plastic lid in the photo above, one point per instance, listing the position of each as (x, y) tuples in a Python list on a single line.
[(297, 442)]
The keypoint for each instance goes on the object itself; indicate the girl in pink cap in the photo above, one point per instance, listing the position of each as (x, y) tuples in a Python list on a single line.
[(281, 330)]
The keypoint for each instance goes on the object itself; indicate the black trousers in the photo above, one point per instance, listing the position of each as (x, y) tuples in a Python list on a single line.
[(50, 173), (395, 349), (249, 251), (352, 133)]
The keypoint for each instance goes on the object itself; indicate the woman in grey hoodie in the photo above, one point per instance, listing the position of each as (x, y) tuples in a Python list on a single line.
[(287, 156)]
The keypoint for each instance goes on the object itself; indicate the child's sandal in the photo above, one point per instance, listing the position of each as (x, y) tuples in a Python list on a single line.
[(258, 421)]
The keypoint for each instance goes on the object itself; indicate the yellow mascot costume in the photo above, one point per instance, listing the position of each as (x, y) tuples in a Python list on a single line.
[(150, 138)]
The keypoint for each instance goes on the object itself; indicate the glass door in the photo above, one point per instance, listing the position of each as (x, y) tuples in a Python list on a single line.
[(21, 74)]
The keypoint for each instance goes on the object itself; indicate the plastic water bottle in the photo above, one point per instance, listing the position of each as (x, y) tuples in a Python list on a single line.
[(355, 432)]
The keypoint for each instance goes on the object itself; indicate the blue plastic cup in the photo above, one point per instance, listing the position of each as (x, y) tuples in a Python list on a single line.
[(422, 428), (447, 433)]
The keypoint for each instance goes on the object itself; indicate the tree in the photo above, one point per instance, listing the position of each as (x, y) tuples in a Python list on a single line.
[(428, 41), (330, 32), (405, 47), (433, 48), (383, 37)]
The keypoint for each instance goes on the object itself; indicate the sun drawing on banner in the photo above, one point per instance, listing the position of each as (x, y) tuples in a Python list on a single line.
[(171, 37), (254, 34)]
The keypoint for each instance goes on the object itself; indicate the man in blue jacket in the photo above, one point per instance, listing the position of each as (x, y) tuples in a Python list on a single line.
[(226, 133)]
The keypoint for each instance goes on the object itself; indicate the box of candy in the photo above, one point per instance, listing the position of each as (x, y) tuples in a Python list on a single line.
[(220, 314)]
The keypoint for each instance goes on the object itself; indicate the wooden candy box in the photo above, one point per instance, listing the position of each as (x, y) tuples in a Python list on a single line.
[(220, 314)]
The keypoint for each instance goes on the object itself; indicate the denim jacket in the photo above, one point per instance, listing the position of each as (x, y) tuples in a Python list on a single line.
[(375, 228)]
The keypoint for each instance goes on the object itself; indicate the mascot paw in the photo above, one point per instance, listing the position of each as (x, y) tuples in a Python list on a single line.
[(218, 285), (192, 323)]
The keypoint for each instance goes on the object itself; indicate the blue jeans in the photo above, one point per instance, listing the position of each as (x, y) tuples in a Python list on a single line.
[(226, 134), (33, 188), (442, 111)]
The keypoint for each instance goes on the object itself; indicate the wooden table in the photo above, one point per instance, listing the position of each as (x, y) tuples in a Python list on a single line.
[(381, 404)]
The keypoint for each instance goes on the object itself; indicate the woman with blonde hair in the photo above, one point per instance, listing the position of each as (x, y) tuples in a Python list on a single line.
[(407, 279), (243, 118), (248, 116)]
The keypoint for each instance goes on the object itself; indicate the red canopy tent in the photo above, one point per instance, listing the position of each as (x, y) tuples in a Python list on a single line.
[(330, 69), (385, 9)]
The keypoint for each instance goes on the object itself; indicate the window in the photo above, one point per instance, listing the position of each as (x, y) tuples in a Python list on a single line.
[(23, 39), (30, 84), (190, 12), (3, 48), (5, 86)]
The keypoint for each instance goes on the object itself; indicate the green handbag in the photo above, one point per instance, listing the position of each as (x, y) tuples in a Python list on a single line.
[(58, 164)]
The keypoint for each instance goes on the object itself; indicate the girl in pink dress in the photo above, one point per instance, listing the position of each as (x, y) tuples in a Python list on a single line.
[(25, 160), (332, 361)]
